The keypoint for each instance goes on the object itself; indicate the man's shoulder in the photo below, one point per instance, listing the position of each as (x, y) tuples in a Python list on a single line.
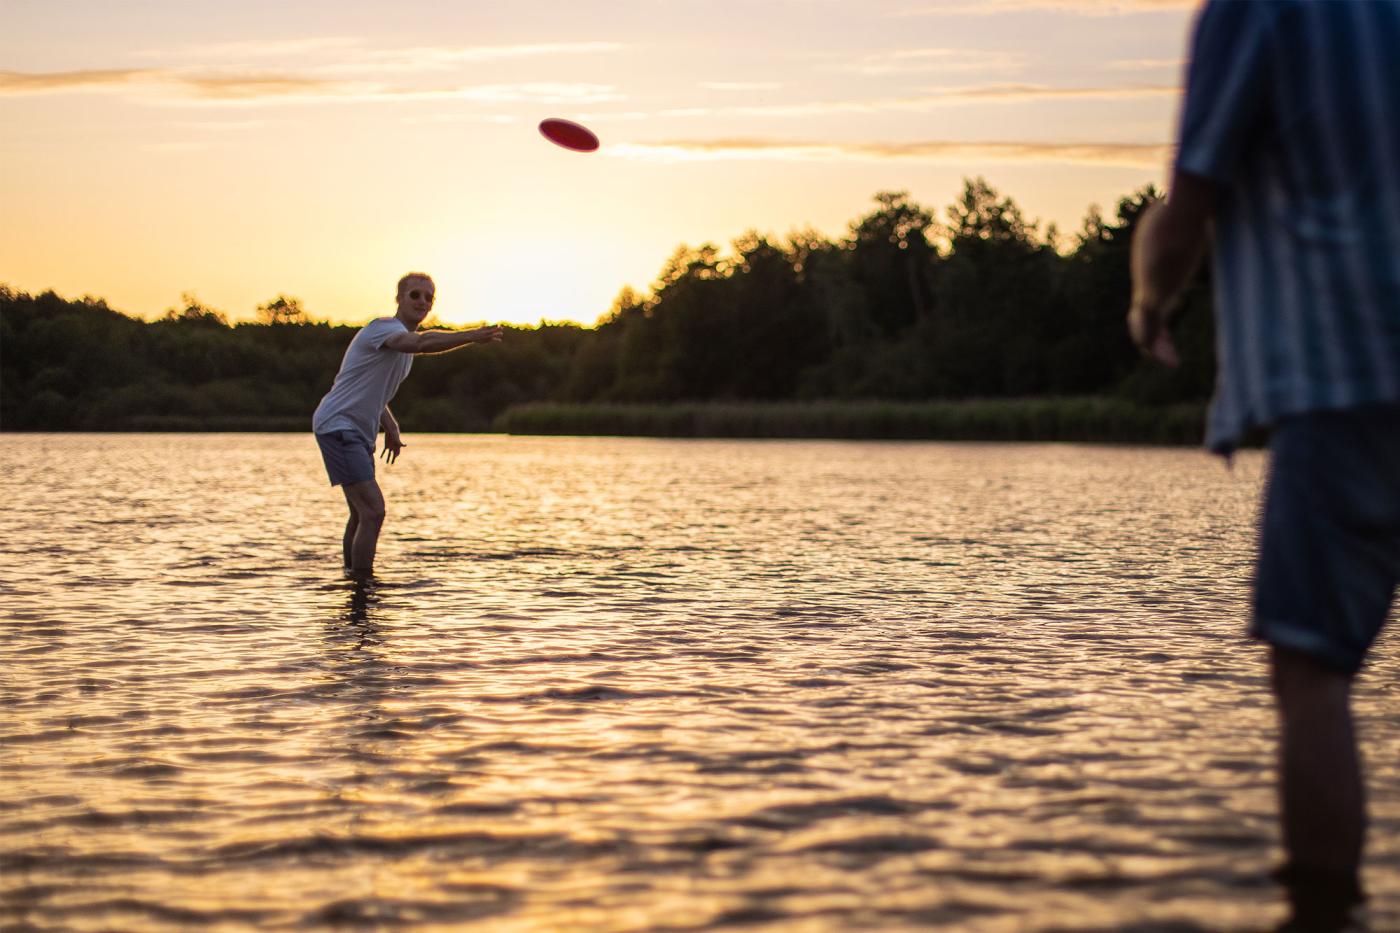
[(379, 330)]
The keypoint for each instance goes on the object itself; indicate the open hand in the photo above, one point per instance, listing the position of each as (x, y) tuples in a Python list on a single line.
[(489, 334), (393, 446)]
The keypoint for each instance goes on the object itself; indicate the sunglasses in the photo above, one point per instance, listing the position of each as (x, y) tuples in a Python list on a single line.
[(415, 294)]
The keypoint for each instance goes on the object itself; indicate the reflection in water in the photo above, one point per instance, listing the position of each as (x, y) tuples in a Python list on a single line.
[(355, 626), (354, 661), (624, 684)]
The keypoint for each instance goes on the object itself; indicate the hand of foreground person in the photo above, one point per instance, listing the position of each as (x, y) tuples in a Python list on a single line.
[(492, 333), (1150, 310), (1168, 243), (1148, 326)]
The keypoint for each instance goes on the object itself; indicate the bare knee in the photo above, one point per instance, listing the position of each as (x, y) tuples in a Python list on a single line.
[(371, 513), (366, 504)]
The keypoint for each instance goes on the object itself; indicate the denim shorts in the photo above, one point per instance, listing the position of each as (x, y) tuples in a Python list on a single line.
[(349, 457), (1329, 549)]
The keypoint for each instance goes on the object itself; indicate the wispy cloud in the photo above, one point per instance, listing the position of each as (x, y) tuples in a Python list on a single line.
[(1076, 7), (613, 116), (269, 91), (432, 56), (443, 119), (255, 49), (741, 86), (253, 87), (1135, 155), (938, 97), (1017, 92), (1145, 64), (224, 126), (346, 55), (57, 82), (172, 85), (148, 80), (177, 148), (919, 61), (538, 92)]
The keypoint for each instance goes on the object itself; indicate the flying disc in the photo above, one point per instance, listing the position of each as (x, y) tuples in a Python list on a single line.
[(568, 134)]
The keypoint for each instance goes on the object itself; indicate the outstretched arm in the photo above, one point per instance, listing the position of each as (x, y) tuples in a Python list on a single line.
[(440, 341), (1167, 247)]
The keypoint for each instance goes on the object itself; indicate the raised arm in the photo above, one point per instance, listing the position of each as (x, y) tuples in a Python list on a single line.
[(441, 341)]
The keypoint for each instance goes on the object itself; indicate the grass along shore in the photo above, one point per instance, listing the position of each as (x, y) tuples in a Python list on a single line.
[(1103, 420), (1088, 419)]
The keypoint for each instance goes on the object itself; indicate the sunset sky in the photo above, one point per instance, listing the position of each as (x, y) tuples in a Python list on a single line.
[(320, 148)]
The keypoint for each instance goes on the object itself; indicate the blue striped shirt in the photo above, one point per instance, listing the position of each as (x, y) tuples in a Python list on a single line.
[(1293, 109)]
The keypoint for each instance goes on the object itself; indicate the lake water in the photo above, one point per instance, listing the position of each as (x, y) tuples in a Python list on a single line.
[(643, 684)]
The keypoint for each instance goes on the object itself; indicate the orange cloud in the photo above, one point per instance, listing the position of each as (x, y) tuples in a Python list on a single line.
[(945, 96), (916, 61), (1040, 91), (1095, 153), (219, 87), (19, 82), (1076, 7), (267, 87), (250, 87)]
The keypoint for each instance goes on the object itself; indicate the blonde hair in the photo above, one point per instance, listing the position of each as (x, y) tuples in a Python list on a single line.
[(403, 280)]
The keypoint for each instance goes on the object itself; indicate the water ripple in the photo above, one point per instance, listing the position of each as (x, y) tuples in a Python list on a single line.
[(643, 685)]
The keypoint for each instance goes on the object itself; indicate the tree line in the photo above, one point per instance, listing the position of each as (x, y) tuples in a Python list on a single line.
[(906, 306)]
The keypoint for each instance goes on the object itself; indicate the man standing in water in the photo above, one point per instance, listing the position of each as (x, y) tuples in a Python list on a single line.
[(1290, 146), (348, 419)]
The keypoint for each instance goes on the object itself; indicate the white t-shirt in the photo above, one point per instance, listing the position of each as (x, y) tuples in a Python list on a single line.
[(369, 376)]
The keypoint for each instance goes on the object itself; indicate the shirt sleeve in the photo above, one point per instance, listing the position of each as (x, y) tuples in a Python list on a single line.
[(1226, 88), (378, 331)]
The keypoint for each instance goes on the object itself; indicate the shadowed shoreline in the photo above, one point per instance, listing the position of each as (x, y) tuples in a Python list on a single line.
[(1055, 420), (1093, 420)]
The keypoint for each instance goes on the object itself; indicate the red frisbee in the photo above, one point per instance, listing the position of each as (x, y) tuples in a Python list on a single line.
[(568, 134)]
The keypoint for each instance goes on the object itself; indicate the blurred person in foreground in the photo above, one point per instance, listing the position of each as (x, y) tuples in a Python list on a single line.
[(347, 421), (1289, 149)]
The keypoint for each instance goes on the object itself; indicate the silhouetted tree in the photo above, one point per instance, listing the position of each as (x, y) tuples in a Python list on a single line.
[(996, 291), (282, 310), (191, 310), (901, 307), (890, 261)]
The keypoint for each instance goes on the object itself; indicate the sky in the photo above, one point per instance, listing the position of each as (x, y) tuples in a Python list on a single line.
[(321, 148)]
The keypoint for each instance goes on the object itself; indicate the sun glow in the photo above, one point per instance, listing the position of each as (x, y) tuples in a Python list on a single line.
[(163, 151)]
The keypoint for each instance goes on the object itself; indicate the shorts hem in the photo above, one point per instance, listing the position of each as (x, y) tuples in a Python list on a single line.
[(350, 482), (1308, 644)]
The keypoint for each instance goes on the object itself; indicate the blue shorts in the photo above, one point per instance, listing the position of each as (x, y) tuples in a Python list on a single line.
[(1329, 549), (349, 457)]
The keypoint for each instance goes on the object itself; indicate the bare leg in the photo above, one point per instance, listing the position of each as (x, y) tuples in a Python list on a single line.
[(1324, 809), (367, 506), (1321, 792), (350, 527)]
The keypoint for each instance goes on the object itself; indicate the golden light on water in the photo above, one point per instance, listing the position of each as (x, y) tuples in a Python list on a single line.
[(623, 683)]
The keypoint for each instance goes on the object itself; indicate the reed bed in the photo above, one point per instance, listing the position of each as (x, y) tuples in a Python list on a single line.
[(1104, 420)]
